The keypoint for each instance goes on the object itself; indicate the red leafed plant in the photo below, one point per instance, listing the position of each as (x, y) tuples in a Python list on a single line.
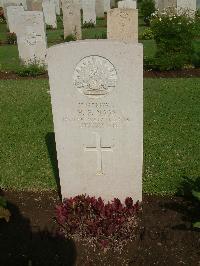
[(91, 217)]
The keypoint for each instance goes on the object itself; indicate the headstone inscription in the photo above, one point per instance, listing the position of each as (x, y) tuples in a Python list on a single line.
[(97, 103)]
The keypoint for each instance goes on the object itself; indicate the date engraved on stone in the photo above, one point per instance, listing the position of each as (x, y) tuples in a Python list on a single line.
[(95, 76)]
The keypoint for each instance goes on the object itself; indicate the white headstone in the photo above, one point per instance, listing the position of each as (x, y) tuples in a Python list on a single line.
[(106, 5), (7, 3), (13, 14), (100, 8), (97, 101), (187, 5), (72, 18), (127, 4), (57, 4), (31, 37), (49, 10), (89, 14)]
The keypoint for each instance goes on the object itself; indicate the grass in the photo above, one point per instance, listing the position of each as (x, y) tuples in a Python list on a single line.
[(171, 131)]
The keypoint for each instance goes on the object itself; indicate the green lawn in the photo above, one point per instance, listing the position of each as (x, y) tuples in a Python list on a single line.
[(171, 133)]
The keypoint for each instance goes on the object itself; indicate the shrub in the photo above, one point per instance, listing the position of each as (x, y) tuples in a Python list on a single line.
[(196, 194), (173, 34), (11, 38), (2, 18), (31, 70), (70, 38), (196, 59), (147, 9), (147, 34), (91, 217), (88, 25), (4, 212), (50, 27)]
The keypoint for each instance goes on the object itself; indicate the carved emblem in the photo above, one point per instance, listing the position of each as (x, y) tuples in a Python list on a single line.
[(95, 76)]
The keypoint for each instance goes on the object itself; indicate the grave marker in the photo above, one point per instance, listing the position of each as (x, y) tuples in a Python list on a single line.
[(97, 103)]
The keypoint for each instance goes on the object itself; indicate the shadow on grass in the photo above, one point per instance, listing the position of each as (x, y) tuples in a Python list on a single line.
[(51, 146), (21, 244), (190, 207)]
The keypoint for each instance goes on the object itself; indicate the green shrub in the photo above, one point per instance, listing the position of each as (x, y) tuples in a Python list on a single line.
[(173, 34), (11, 38), (196, 194), (31, 70), (196, 59), (88, 25), (50, 27), (147, 8), (2, 18), (147, 34), (70, 38)]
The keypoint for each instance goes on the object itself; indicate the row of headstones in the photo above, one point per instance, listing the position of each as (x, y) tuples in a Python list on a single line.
[(30, 29), (181, 5)]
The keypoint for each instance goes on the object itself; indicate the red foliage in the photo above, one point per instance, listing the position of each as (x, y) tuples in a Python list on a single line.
[(93, 217)]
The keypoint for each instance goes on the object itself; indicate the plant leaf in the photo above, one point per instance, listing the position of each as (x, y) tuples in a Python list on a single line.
[(5, 214), (196, 225), (196, 194), (3, 202)]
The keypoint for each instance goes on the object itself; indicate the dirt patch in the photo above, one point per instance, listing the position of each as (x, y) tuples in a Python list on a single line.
[(186, 73), (164, 235)]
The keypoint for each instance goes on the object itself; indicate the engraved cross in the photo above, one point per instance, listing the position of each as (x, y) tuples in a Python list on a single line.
[(99, 149)]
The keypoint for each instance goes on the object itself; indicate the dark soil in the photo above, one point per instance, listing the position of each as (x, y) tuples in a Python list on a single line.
[(185, 73), (164, 235)]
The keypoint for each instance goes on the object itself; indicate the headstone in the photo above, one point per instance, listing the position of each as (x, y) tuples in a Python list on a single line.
[(198, 4), (1, 3), (72, 18), (7, 3), (97, 102), (89, 14), (127, 24), (181, 5), (187, 5), (49, 10), (13, 13), (31, 38), (127, 4), (57, 4), (34, 5), (112, 3), (100, 8), (106, 5)]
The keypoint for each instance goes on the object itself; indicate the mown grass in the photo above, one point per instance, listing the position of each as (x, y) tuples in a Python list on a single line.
[(171, 134)]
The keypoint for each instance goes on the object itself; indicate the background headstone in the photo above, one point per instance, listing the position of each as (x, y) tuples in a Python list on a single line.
[(100, 8), (97, 101), (127, 4), (34, 5), (31, 37), (49, 10), (72, 18), (106, 5), (7, 3), (89, 14), (13, 13), (187, 5), (127, 24), (57, 4)]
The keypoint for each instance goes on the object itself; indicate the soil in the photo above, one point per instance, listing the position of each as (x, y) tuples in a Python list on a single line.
[(185, 73), (164, 235)]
